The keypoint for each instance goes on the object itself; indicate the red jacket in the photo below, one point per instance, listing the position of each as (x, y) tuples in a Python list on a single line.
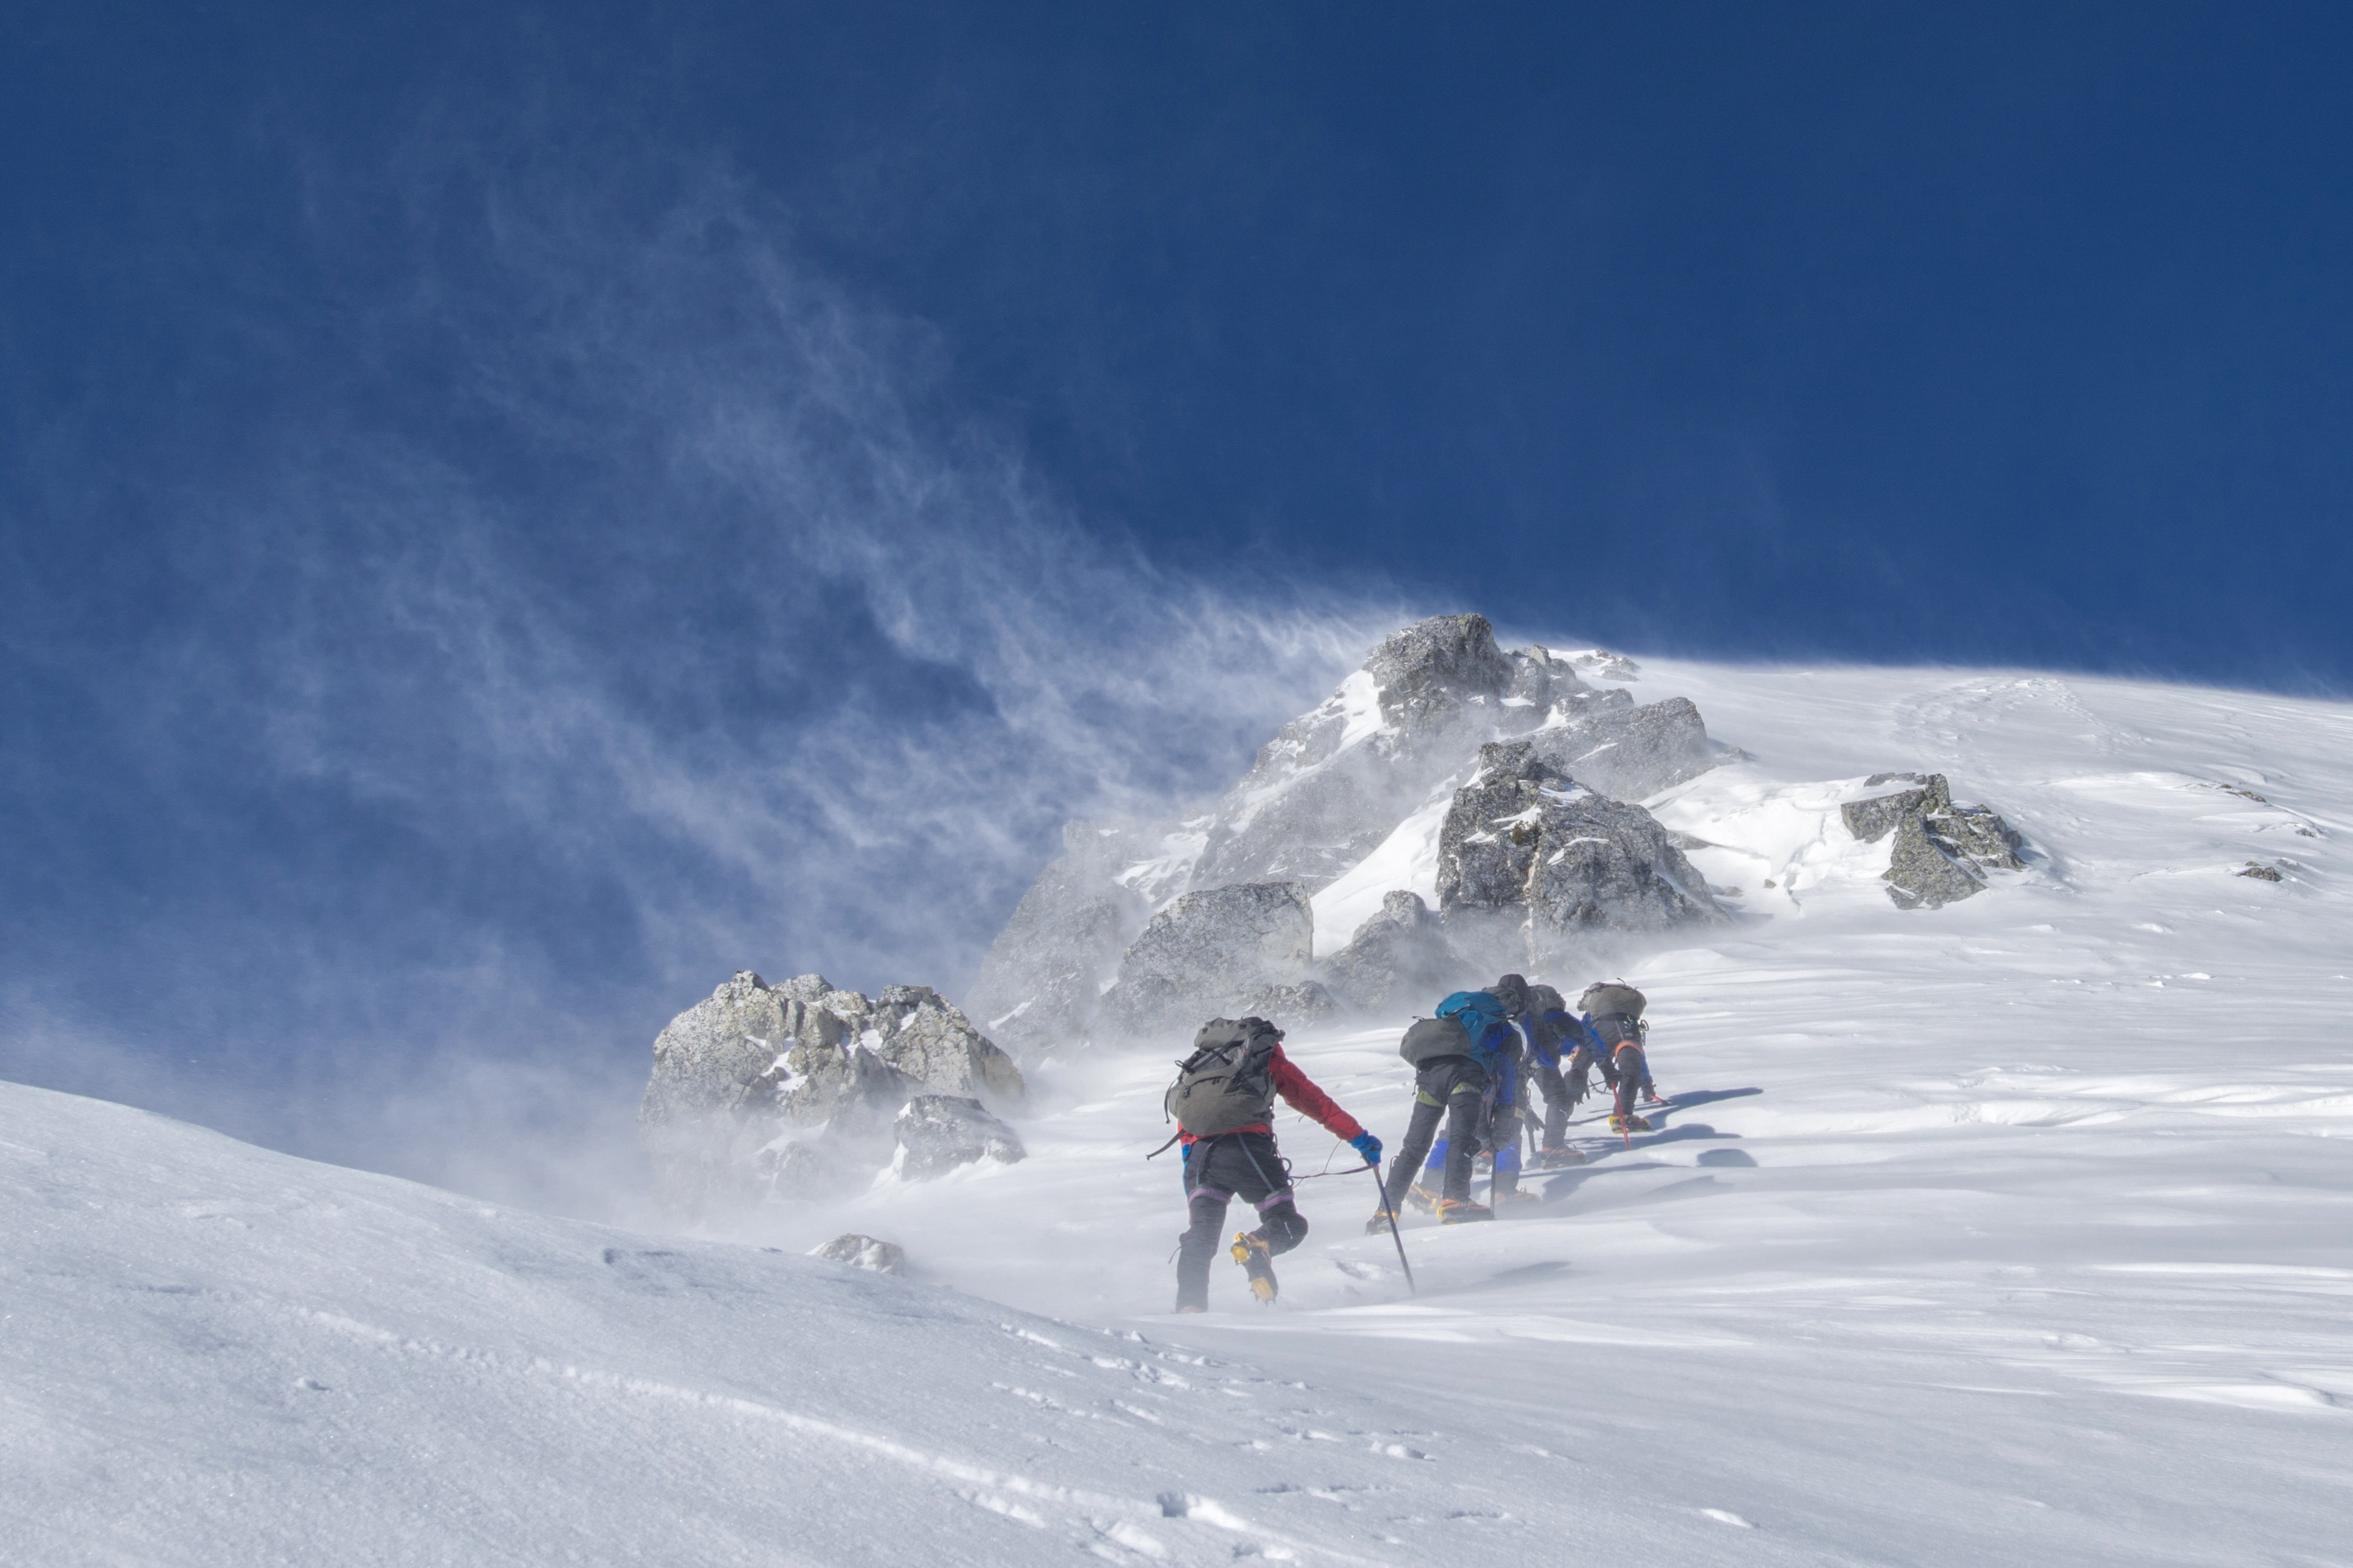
[(1300, 1092)]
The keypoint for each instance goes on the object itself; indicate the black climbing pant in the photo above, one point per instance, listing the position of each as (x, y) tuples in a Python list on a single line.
[(1558, 1103), (1452, 1089), (1631, 1075), (1244, 1166)]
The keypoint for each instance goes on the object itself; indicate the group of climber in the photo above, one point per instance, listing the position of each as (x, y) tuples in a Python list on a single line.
[(1472, 1059)]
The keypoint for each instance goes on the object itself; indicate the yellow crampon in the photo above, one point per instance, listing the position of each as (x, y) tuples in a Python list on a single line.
[(1251, 1253)]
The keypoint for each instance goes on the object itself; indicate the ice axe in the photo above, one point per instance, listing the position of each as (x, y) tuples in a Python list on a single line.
[(1390, 1213)]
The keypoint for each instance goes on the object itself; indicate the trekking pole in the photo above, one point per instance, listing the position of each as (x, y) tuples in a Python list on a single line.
[(1411, 1288)]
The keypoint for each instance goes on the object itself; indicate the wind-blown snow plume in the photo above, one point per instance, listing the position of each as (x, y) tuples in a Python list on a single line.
[(630, 605)]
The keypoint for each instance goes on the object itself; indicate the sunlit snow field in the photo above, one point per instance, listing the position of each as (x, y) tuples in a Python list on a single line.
[(2015, 1231)]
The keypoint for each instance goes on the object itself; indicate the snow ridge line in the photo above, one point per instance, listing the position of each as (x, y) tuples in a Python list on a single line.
[(1207, 1510)]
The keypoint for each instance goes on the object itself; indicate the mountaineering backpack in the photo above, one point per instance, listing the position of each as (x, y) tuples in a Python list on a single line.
[(1549, 1015), (1229, 1080), (1430, 1038), (1616, 1009), (1476, 1011)]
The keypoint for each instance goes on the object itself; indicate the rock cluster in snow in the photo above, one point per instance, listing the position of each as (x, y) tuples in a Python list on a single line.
[(791, 1090), (1488, 804), (1942, 851), (937, 1132), (1222, 949), (1525, 848), (863, 1252), (1398, 957), (1142, 932)]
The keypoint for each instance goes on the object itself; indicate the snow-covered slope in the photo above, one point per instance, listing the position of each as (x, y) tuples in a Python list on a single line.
[(2012, 1231)]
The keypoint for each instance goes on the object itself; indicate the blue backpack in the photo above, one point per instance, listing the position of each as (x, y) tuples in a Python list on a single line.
[(1476, 1011)]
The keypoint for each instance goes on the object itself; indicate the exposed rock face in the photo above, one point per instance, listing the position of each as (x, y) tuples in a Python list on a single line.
[(937, 1132), (1942, 851), (1332, 783), (1526, 851), (1607, 865), (930, 1043), (799, 1168), (1398, 955), (1043, 971), (1324, 793), (1290, 1007), (2260, 872), (739, 1074), (1207, 954), (863, 1252), (1632, 753)]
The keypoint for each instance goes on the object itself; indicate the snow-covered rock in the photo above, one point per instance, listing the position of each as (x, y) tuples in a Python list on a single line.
[(1337, 800), (1632, 753), (1039, 983), (1530, 860), (763, 1091), (1942, 851), (1396, 958), (1211, 953), (1332, 783), (863, 1252), (937, 1132)]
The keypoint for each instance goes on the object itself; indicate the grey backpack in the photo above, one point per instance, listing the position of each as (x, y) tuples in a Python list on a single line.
[(1616, 1009), (1229, 1080), (1430, 1038)]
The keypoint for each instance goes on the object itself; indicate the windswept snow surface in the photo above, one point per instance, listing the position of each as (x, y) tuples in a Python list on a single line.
[(2015, 1231)]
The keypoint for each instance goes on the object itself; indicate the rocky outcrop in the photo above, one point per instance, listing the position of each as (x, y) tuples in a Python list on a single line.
[(863, 1252), (1942, 851), (1039, 983), (1606, 865), (1530, 858), (1399, 956), (1332, 783), (1208, 955), (1632, 753), (938, 1132), (785, 1091), (1079, 958), (1300, 1006)]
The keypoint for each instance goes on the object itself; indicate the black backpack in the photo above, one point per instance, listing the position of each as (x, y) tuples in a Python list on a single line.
[(1430, 1038), (1229, 1080)]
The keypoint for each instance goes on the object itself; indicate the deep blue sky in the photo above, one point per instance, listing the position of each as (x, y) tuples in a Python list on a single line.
[(510, 512)]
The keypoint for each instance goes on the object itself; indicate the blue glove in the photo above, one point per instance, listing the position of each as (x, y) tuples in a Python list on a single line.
[(1367, 1145)]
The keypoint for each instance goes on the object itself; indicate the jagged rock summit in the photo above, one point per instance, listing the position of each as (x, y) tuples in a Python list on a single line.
[(791, 1090), (1138, 932)]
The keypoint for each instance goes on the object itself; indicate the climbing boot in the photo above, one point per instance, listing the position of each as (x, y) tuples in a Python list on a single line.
[(1553, 1159), (1251, 1252), (1461, 1211), (1426, 1199)]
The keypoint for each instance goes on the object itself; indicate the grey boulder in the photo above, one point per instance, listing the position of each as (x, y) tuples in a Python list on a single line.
[(762, 1091), (935, 1133), (1209, 954), (1037, 985), (1942, 851), (863, 1252), (1399, 956), (1632, 753), (1528, 857)]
